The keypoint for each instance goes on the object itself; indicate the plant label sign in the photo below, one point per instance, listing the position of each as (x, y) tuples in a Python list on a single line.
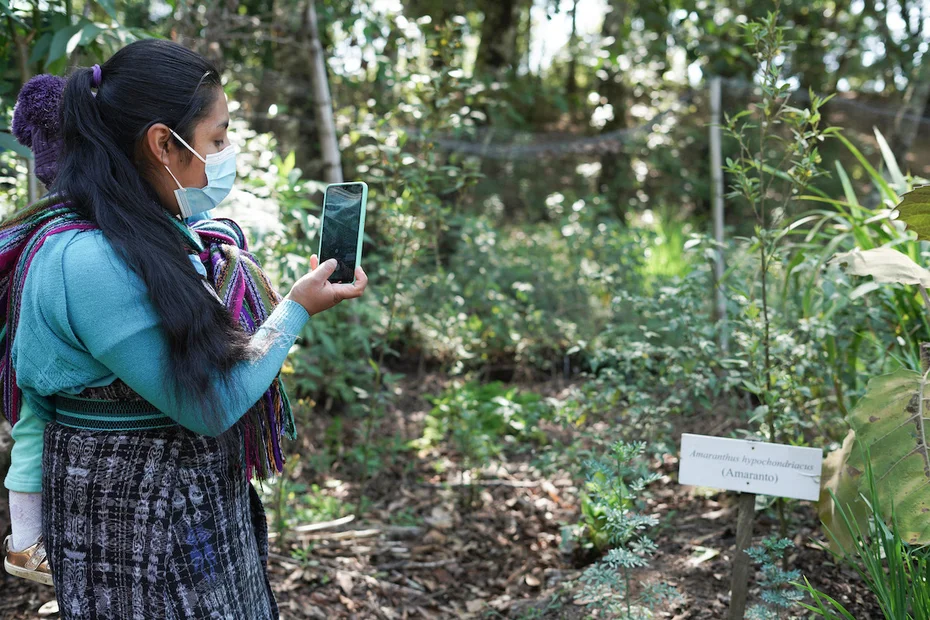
[(750, 466)]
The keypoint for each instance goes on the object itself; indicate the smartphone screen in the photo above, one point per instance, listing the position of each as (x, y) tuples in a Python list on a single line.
[(343, 211)]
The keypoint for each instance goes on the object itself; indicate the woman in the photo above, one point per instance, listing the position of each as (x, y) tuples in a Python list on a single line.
[(150, 376), (37, 126)]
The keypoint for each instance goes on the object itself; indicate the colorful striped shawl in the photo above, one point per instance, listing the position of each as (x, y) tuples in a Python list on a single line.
[(232, 271)]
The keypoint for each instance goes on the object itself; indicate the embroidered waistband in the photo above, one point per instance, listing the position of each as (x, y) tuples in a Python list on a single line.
[(108, 415)]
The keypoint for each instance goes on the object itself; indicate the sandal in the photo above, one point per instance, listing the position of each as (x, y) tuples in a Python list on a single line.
[(31, 563)]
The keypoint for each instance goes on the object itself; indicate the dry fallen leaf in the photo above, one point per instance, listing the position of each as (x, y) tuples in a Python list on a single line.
[(345, 581), (349, 603), (439, 518), (49, 608), (701, 555), (434, 537)]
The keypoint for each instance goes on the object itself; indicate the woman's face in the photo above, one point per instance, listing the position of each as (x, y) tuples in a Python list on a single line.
[(209, 137)]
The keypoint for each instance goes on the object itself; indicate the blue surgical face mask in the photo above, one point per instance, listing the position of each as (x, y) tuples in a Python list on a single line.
[(221, 174)]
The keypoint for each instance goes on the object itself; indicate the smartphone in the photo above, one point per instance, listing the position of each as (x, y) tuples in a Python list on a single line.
[(342, 228)]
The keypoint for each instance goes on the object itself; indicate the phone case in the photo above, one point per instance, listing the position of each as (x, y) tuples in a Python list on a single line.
[(361, 223)]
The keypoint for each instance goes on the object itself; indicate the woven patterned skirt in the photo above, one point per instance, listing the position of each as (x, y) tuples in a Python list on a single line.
[(157, 523)]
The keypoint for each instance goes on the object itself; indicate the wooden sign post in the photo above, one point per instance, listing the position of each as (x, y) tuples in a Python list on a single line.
[(752, 468), (739, 580)]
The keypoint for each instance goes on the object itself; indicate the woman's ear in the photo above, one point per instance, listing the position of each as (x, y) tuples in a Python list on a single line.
[(157, 143)]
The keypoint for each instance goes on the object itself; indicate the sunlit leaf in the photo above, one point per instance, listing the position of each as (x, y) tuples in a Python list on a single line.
[(10, 13), (863, 289), (914, 210), (900, 184), (59, 44)]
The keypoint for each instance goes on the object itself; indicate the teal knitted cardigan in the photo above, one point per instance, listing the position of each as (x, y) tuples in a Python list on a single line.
[(86, 320)]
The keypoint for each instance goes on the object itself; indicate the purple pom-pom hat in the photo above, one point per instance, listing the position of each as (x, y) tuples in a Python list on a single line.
[(37, 122)]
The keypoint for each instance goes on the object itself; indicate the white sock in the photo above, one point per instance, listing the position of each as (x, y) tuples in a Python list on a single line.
[(26, 519)]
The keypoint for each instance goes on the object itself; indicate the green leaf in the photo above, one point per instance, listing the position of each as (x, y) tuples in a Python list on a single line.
[(329, 346), (781, 174), (847, 185), (877, 179), (894, 171), (862, 290), (9, 143), (58, 67), (74, 41), (110, 7), (288, 164), (40, 48), (88, 33), (914, 210), (822, 609), (6, 10), (59, 45)]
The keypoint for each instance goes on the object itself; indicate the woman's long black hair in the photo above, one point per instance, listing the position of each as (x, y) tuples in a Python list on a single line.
[(101, 173)]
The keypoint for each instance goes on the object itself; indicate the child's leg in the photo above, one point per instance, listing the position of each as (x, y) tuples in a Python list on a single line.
[(26, 519), (26, 513), (24, 480)]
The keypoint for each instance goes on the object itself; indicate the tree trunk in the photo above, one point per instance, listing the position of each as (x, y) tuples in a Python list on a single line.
[(614, 178), (498, 35), (523, 39), (322, 102), (571, 80), (909, 116)]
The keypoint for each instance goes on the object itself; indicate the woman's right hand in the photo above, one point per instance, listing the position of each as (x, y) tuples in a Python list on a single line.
[(316, 293)]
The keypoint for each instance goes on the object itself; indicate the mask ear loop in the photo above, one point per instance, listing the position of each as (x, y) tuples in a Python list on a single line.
[(174, 177), (188, 146)]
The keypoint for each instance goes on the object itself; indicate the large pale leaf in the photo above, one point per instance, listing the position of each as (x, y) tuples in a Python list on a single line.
[(843, 480), (890, 422), (914, 210), (884, 265)]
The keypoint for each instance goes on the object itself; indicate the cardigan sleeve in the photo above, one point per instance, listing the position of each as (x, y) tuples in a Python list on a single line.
[(111, 316)]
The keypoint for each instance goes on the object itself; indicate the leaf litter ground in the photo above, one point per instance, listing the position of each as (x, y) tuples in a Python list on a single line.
[(492, 547)]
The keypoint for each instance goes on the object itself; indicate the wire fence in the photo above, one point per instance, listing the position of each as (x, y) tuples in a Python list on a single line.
[(682, 123), (495, 144)]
